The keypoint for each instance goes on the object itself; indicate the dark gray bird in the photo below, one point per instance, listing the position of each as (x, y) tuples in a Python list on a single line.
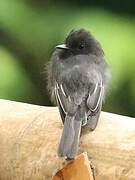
[(77, 78)]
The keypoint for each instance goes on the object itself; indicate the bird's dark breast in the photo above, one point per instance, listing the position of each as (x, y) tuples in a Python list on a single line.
[(75, 78), (77, 73)]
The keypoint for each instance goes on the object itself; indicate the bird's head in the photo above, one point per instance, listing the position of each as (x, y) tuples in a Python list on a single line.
[(81, 42)]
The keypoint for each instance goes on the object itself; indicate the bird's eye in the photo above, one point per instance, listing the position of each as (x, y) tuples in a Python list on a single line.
[(81, 46)]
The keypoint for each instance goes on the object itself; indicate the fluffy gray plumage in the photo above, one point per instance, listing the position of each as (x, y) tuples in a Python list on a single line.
[(77, 79)]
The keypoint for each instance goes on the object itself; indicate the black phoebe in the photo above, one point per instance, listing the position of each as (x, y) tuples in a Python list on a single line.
[(77, 78)]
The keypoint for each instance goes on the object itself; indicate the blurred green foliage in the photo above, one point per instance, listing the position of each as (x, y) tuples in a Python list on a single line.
[(29, 34), (14, 82)]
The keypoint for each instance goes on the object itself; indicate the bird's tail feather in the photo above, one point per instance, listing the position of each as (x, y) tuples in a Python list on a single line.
[(68, 146)]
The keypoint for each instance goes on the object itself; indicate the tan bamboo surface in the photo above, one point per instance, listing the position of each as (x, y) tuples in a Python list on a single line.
[(30, 134)]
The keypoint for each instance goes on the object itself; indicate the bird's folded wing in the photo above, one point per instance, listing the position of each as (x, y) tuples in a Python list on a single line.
[(64, 102), (95, 97), (94, 103)]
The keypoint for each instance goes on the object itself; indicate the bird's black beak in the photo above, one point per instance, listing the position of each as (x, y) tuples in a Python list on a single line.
[(62, 46)]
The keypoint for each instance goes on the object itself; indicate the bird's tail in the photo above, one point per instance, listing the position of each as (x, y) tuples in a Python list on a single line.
[(68, 146)]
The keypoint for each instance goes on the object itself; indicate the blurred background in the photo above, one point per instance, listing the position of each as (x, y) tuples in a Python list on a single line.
[(30, 29)]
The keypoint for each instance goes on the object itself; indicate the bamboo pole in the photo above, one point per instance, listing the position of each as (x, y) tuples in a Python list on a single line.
[(29, 137), (79, 169)]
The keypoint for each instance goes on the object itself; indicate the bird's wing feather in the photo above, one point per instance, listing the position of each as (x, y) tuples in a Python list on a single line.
[(64, 102), (95, 98), (94, 104), (60, 106)]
